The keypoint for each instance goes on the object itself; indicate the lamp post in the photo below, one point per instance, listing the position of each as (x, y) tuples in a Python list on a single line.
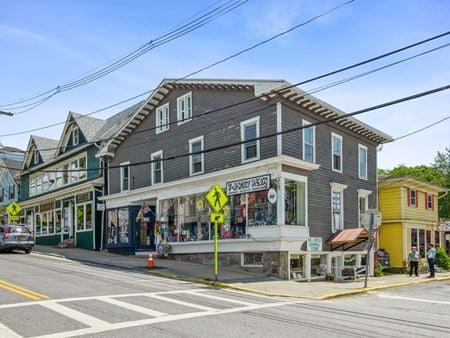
[(6, 113)]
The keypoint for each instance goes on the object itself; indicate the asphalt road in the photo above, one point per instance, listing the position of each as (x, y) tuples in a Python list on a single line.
[(44, 296)]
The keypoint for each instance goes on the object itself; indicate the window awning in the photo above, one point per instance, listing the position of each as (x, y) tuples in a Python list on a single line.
[(351, 237)]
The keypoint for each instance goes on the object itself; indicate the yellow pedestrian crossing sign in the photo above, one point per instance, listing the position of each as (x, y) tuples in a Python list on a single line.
[(14, 209), (216, 218), (217, 198)]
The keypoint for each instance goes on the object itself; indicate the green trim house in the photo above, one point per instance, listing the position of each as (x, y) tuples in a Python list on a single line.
[(61, 181)]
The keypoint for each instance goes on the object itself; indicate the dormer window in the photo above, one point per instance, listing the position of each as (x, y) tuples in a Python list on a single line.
[(75, 136), (35, 156)]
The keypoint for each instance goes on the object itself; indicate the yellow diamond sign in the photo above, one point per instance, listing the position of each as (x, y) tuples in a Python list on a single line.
[(14, 209), (217, 198)]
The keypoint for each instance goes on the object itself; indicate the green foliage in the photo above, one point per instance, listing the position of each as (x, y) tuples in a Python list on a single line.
[(442, 259), (378, 271)]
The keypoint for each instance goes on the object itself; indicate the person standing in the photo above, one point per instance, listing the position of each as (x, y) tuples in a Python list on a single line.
[(413, 258), (431, 256)]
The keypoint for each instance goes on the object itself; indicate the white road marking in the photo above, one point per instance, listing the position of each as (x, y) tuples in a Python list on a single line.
[(203, 294), (413, 299), (76, 315), (124, 325), (6, 332), (132, 307), (180, 302)]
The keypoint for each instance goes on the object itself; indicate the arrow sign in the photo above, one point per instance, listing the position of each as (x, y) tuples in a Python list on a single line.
[(216, 218)]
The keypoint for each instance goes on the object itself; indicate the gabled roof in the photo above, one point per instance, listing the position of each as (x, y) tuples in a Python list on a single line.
[(45, 146), (14, 167), (266, 89), (400, 180)]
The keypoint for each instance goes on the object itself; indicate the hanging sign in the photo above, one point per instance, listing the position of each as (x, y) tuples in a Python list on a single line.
[(257, 183), (315, 244)]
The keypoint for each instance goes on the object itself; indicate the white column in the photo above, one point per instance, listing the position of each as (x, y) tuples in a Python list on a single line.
[(308, 266), (329, 263)]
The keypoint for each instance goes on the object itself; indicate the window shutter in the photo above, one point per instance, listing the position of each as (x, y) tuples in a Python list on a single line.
[(426, 200), (408, 196), (417, 198), (432, 202)]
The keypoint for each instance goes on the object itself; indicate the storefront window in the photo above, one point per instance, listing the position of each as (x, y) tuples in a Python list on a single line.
[(169, 219), (193, 218), (88, 216), (38, 224), (318, 265), (295, 202), (238, 217), (112, 226), (44, 223), (58, 221), (50, 222), (297, 266), (260, 211), (80, 217), (123, 216)]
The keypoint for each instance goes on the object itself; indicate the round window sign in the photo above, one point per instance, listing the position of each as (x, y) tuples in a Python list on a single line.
[(272, 196)]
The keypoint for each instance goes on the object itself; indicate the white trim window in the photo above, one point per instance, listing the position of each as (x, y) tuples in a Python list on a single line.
[(35, 156), (162, 118), (125, 176), (362, 162), (75, 134), (157, 167), (309, 142), (196, 160), (336, 152), (184, 108), (363, 203), (337, 206), (84, 217), (250, 130)]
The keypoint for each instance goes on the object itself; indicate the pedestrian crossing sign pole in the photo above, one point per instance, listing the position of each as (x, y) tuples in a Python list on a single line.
[(217, 199)]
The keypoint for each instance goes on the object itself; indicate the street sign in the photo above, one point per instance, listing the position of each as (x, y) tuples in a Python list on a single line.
[(14, 218), (216, 218), (14, 209), (217, 198)]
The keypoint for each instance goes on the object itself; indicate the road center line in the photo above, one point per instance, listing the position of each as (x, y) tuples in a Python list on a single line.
[(22, 291)]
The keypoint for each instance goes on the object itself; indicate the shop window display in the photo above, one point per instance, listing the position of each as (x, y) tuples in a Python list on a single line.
[(297, 266), (318, 265), (118, 226), (260, 211), (295, 203), (169, 219)]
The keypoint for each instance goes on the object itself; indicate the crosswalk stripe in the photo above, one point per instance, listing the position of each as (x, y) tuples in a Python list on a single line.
[(180, 302), (413, 299), (203, 294), (6, 332), (76, 315), (132, 307)]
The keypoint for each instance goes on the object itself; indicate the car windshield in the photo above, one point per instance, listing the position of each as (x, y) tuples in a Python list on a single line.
[(19, 229)]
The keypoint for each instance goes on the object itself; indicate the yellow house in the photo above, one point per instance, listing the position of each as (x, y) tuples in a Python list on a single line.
[(409, 208)]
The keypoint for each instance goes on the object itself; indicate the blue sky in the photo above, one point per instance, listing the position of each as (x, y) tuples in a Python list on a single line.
[(46, 43)]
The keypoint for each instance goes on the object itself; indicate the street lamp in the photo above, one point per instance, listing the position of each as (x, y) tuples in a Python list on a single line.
[(6, 113)]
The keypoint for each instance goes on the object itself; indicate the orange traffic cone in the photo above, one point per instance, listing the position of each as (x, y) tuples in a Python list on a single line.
[(150, 261)]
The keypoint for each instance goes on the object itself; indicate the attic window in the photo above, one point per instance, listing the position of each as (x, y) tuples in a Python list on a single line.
[(35, 156), (75, 136)]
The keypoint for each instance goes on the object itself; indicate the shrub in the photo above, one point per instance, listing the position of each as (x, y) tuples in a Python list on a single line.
[(378, 271), (442, 259)]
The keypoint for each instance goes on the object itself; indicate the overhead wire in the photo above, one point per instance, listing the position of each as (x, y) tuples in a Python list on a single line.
[(314, 90), (256, 97), (163, 39), (269, 135)]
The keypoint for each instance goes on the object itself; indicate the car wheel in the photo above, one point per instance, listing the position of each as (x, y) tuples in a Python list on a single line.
[(27, 251)]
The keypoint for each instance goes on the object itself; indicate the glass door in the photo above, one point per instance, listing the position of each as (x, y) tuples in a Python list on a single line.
[(145, 231)]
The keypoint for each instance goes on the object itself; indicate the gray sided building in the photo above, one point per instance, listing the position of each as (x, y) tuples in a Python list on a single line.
[(61, 181), (290, 187)]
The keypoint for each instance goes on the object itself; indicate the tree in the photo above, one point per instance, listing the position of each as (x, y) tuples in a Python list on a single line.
[(438, 173)]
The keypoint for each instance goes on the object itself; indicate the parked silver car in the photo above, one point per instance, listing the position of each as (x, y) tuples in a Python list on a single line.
[(16, 237)]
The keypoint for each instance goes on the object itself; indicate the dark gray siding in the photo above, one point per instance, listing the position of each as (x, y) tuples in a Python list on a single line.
[(219, 128), (319, 190)]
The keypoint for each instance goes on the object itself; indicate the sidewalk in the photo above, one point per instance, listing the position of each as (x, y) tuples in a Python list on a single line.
[(236, 279)]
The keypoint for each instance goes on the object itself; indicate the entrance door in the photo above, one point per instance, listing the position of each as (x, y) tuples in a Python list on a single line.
[(145, 232)]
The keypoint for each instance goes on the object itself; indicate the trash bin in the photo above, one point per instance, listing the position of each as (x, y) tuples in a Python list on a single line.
[(382, 257)]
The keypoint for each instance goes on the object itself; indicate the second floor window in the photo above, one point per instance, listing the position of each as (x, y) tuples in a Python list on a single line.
[(429, 201), (362, 162), (250, 131), (412, 197), (184, 108), (162, 118), (157, 167), (308, 142), (196, 160), (336, 202), (125, 176), (336, 149)]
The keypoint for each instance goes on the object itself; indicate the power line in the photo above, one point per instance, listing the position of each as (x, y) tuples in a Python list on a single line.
[(198, 71), (421, 129), (256, 97), (163, 39), (237, 143), (315, 90)]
